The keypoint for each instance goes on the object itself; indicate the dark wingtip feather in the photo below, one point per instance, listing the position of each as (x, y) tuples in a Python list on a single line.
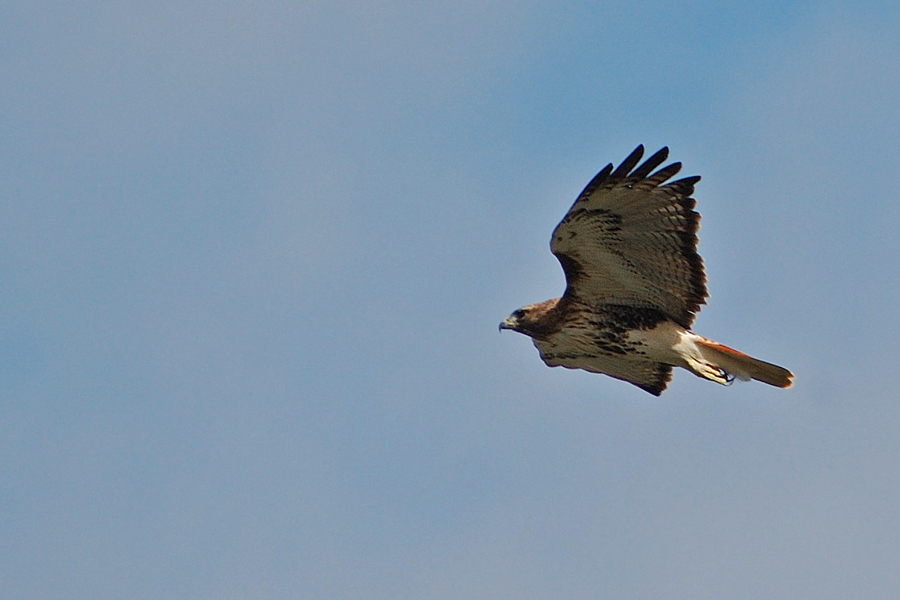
[(665, 173), (684, 186), (651, 163), (628, 164), (663, 376), (596, 182)]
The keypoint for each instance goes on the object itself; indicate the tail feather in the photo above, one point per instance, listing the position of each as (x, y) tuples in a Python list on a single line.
[(742, 366)]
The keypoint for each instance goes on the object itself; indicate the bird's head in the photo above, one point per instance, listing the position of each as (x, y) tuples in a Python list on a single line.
[(513, 321), (534, 320)]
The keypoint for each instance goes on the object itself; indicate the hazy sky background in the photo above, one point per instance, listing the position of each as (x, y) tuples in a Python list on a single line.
[(254, 255)]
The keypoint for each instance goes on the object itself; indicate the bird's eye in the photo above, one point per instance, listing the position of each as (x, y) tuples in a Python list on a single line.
[(519, 314)]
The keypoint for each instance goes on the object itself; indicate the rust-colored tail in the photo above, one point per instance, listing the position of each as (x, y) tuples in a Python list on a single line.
[(742, 366)]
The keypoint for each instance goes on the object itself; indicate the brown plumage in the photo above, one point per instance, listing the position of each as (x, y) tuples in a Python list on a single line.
[(634, 283)]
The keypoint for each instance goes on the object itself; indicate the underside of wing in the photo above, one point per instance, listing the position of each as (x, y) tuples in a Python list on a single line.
[(631, 239), (650, 376)]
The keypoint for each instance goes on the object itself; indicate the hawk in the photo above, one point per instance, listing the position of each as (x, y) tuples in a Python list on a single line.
[(634, 282)]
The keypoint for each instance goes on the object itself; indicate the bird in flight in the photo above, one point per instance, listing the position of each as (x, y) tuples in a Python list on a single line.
[(634, 283)]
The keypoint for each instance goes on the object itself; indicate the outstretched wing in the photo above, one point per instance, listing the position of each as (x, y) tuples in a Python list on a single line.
[(564, 351), (631, 239)]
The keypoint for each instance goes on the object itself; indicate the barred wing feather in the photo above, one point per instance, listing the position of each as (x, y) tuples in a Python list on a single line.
[(631, 239)]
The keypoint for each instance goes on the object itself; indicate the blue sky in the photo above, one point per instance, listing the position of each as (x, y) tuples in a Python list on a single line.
[(254, 256)]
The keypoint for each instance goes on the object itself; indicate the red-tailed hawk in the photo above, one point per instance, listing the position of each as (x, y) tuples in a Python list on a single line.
[(634, 282)]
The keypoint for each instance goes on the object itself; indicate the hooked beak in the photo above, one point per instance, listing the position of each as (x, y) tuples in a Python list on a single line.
[(507, 323)]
